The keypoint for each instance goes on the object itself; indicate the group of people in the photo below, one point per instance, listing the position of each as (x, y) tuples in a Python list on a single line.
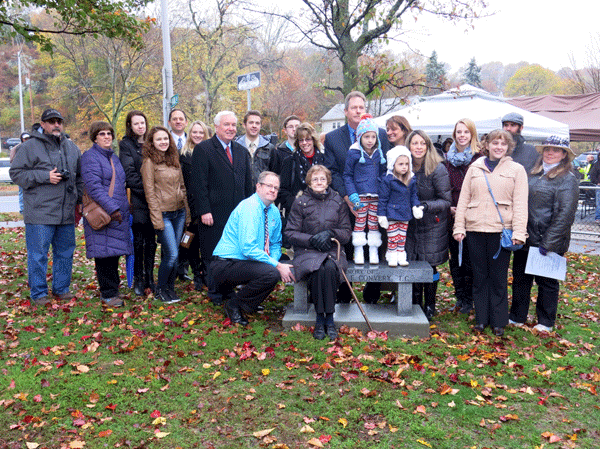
[(242, 199)]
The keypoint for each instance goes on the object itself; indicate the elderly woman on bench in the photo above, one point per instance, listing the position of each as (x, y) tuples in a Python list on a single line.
[(318, 215)]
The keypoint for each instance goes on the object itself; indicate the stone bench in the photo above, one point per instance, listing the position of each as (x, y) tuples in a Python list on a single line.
[(401, 318)]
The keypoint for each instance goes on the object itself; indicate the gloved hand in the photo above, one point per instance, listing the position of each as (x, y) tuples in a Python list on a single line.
[(417, 212), (116, 216), (322, 240), (383, 222), (543, 251), (355, 199)]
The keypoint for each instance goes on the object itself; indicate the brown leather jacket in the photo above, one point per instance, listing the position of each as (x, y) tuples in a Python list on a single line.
[(165, 191)]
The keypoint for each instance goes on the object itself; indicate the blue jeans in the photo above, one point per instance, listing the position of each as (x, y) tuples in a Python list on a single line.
[(169, 239), (38, 238)]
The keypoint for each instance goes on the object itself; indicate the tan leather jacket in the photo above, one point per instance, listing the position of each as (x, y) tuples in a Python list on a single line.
[(165, 191), (476, 212)]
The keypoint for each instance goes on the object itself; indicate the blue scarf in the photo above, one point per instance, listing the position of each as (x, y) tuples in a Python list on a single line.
[(457, 159)]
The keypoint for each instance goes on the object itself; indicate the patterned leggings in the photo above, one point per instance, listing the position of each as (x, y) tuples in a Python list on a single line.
[(397, 235), (369, 209)]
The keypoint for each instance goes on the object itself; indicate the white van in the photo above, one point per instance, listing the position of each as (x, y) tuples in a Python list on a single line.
[(4, 166)]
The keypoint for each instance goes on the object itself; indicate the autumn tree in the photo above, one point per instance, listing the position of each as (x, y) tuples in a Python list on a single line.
[(102, 78), (472, 74), (111, 18), (587, 80), (535, 80), (350, 28)]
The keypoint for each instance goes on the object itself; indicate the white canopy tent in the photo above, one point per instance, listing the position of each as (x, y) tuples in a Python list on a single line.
[(438, 114)]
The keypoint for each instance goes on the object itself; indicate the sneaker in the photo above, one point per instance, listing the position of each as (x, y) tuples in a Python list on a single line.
[(163, 296), (542, 328), (65, 296), (174, 298), (42, 301), (515, 323), (113, 302)]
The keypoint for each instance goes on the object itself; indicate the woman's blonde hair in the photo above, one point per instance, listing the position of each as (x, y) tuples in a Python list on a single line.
[(188, 147), (475, 144), (432, 158)]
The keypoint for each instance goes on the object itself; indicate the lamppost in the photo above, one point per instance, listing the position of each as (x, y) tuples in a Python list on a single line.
[(20, 89)]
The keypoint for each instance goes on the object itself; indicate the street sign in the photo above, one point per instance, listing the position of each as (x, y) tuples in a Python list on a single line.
[(248, 81), (174, 100)]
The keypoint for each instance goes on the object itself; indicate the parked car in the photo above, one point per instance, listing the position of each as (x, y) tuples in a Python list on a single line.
[(11, 142), (4, 166)]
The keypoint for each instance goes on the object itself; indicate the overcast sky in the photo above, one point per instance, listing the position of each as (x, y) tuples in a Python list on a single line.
[(536, 31)]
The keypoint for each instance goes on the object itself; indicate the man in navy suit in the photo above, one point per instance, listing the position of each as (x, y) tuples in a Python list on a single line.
[(337, 143), (222, 177)]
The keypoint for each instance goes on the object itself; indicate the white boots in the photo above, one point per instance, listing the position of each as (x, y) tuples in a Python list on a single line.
[(402, 258), (360, 239), (396, 258), (374, 242)]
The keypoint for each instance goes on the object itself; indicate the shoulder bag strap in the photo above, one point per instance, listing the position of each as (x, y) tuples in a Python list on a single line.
[(111, 189), (493, 199)]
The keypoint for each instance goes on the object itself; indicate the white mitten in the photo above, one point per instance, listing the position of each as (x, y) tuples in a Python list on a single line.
[(383, 222), (417, 212)]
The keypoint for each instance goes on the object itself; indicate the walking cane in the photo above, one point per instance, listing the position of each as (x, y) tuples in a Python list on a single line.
[(339, 250)]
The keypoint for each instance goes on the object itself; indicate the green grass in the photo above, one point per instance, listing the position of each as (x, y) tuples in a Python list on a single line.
[(77, 373)]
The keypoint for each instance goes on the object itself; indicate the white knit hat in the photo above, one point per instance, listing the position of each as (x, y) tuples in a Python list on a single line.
[(394, 154)]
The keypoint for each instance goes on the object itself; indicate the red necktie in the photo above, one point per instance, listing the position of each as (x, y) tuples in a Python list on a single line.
[(229, 156)]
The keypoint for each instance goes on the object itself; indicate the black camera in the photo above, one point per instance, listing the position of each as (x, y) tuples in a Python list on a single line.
[(65, 175)]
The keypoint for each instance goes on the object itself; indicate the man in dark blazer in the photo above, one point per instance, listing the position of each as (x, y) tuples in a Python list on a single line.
[(337, 144), (222, 177)]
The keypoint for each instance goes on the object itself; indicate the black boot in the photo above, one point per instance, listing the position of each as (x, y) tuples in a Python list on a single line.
[(149, 271), (430, 291), (138, 270), (417, 294)]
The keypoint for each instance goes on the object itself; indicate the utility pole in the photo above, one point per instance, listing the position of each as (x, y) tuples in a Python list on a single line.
[(20, 90), (167, 65)]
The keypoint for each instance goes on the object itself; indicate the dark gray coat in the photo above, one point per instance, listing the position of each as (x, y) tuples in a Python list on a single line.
[(427, 238), (43, 202), (312, 213), (552, 208), (524, 154)]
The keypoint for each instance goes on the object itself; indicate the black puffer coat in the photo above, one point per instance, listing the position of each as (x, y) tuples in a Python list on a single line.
[(427, 238), (312, 213), (130, 154), (552, 208)]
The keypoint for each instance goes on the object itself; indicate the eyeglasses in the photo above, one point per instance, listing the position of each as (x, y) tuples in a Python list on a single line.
[(308, 139), (270, 186), (104, 134), (319, 179), (54, 121)]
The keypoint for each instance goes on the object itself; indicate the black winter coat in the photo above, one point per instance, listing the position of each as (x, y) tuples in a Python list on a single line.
[(293, 178), (552, 208), (313, 213), (186, 169), (427, 238), (130, 154)]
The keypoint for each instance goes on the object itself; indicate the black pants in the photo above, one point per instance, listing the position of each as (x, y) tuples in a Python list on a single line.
[(191, 255), (462, 276), (547, 300), (144, 250), (323, 285), (107, 272), (490, 278), (257, 278)]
